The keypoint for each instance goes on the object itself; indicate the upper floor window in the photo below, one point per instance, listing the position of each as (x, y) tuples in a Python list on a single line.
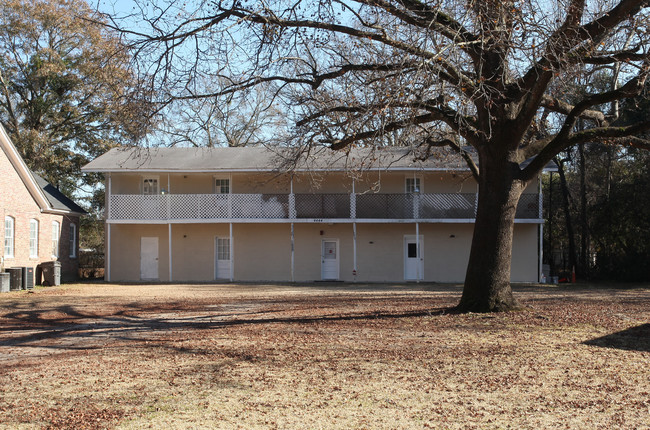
[(33, 238), (9, 237), (150, 185), (413, 185), (222, 186), (73, 240), (55, 238)]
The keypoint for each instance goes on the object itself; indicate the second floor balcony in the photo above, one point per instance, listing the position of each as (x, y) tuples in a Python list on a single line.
[(438, 207)]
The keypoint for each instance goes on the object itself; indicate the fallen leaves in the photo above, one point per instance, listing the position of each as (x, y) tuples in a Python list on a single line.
[(269, 357)]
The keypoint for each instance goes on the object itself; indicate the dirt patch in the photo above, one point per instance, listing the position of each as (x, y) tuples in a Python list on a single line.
[(321, 356)]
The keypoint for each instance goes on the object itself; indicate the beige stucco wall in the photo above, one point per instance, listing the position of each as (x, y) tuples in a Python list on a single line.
[(262, 252), (525, 248), (125, 250), (193, 250), (271, 183)]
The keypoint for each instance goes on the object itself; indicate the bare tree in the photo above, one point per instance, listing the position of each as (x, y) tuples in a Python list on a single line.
[(456, 72), (242, 119)]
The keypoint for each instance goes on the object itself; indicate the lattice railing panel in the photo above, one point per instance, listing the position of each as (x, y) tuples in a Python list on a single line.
[(327, 206), (198, 206), (322, 205), (447, 206), (386, 206), (528, 207), (137, 206), (262, 206)]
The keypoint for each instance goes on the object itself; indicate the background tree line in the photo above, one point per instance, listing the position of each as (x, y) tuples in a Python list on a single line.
[(597, 207)]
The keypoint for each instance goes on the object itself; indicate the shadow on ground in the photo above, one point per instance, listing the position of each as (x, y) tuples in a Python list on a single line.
[(633, 339), (67, 327)]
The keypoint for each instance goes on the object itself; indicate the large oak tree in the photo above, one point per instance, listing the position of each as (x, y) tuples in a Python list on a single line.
[(66, 87), (489, 75)]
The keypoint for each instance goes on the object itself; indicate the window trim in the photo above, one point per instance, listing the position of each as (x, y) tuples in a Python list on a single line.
[(33, 250), (146, 177), (72, 240), (419, 182), (10, 252), (56, 243), (222, 178)]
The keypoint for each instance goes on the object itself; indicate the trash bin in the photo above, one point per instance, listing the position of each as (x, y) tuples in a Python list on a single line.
[(5, 282), (51, 273), (16, 278)]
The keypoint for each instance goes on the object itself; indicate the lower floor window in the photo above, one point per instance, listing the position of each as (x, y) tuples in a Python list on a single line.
[(223, 248), (55, 239)]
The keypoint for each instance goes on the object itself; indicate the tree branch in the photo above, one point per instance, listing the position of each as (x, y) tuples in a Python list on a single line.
[(618, 135)]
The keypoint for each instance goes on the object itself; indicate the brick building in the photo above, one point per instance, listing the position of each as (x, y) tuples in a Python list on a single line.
[(40, 223)]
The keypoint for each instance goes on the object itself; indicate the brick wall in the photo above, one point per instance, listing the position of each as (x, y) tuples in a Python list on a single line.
[(17, 202)]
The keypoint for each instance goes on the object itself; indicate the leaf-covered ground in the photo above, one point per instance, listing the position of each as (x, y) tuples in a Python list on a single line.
[(322, 356)]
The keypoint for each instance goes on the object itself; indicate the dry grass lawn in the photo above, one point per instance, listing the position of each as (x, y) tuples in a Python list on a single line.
[(322, 357)]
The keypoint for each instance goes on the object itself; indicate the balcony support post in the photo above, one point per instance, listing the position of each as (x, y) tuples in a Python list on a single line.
[(169, 191), (232, 256), (293, 279), (540, 255), (417, 252), (416, 205), (353, 204), (108, 253), (354, 250), (292, 205), (109, 197), (171, 278)]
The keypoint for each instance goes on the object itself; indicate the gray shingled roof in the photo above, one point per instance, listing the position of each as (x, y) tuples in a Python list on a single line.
[(250, 159), (57, 199)]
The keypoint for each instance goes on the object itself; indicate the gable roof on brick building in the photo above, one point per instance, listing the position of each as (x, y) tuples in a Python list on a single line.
[(46, 196)]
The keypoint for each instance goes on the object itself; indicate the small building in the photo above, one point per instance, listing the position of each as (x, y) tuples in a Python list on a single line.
[(367, 215), (41, 224)]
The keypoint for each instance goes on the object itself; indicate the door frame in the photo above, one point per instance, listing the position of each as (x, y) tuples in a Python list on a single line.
[(157, 259), (322, 259), (411, 238), (216, 258)]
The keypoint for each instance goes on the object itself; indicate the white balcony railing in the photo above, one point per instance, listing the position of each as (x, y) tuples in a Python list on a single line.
[(207, 207)]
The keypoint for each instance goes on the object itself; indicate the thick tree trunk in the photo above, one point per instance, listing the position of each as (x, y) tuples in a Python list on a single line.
[(487, 281)]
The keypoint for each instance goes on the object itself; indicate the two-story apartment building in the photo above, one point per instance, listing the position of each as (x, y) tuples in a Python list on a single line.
[(199, 214), (41, 224)]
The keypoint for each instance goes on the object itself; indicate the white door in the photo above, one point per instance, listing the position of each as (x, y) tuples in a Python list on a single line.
[(222, 258), (149, 258), (330, 259), (413, 258)]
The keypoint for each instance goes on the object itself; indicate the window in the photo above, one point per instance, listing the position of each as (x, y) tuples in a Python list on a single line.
[(73, 240), (150, 186), (412, 250), (55, 239), (33, 238), (223, 248), (9, 237), (222, 186), (413, 185)]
